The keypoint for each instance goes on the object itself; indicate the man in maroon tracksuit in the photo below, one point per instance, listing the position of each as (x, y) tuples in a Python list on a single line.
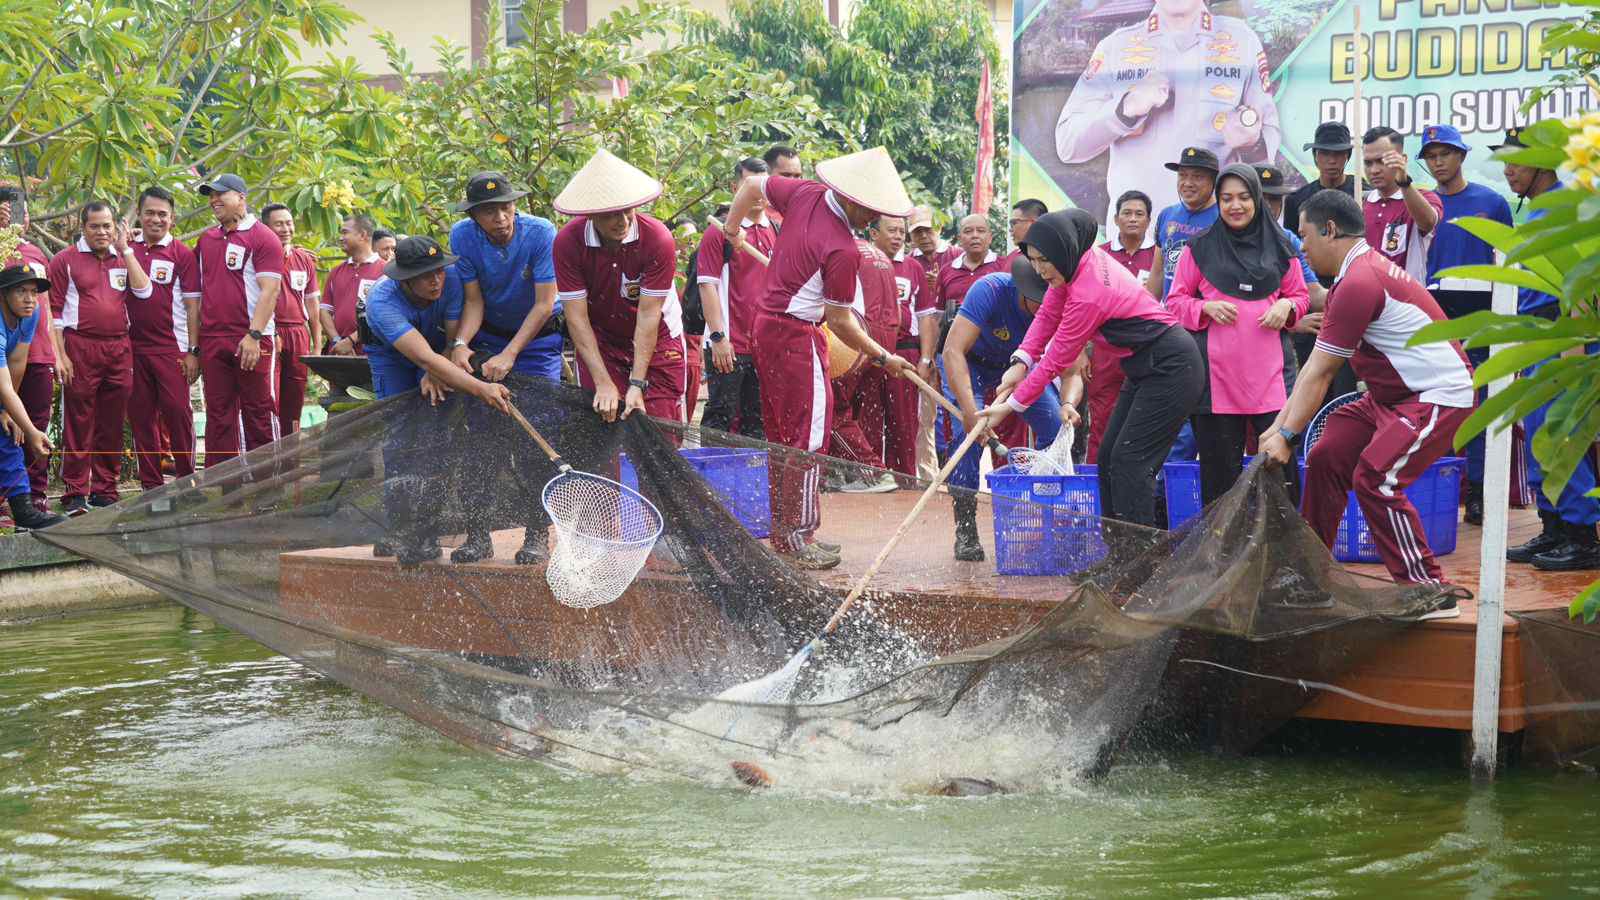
[(241, 272), (87, 285), (348, 285), (38, 387), (915, 340), (813, 278), (861, 398), (297, 309), (162, 328)]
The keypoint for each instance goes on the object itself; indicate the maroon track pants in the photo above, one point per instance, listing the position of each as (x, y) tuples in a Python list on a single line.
[(694, 363), (1378, 451), (38, 392), (292, 342), (241, 407), (160, 400), (901, 421), (92, 409), (860, 406), (797, 411)]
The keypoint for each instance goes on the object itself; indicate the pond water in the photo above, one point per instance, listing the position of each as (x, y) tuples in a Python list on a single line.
[(154, 753)]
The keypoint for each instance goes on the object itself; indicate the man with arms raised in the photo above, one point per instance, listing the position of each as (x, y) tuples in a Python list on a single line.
[(297, 306), (1416, 396), (241, 273), (813, 279), (614, 273), (730, 286), (1400, 217), (348, 285), (164, 331)]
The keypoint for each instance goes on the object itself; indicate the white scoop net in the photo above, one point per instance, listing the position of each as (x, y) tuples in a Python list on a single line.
[(1055, 459), (604, 533)]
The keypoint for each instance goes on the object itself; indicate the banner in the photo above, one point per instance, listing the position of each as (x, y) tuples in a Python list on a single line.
[(1109, 91)]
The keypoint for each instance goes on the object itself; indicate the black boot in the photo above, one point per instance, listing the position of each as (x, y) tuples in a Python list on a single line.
[(383, 548), (968, 547), (413, 550), (477, 548), (1473, 515), (1548, 539), (1580, 552), (28, 517), (535, 547)]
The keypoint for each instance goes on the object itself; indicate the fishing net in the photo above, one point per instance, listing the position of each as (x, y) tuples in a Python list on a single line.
[(1561, 682), (604, 533), (1055, 459), (945, 669)]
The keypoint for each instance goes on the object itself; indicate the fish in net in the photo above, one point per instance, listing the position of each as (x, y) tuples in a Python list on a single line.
[(945, 669)]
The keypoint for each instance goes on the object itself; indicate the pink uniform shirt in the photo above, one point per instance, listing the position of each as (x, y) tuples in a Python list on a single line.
[(347, 285), (86, 291), (160, 323), (1104, 303), (300, 293), (1391, 232), (740, 281), (815, 262), (1244, 361), (614, 280), (1373, 311), (231, 261)]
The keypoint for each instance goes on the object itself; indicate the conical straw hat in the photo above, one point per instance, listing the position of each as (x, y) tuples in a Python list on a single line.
[(606, 184), (868, 178)]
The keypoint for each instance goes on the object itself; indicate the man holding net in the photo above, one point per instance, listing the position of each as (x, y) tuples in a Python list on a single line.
[(1416, 396), (411, 316), (614, 275), (814, 278)]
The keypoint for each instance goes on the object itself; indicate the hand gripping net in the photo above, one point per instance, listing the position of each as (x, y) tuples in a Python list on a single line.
[(604, 533), (1053, 460)]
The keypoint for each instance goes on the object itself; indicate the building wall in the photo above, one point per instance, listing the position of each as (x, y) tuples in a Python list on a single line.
[(416, 24)]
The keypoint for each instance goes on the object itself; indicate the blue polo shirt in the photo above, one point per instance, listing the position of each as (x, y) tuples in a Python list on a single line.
[(1454, 246), (1298, 247), (506, 277), (13, 466), (1176, 226), (1529, 299), (390, 315), (22, 332), (993, 306)]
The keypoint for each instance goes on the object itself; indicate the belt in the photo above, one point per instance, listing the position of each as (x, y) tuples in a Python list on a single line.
[(553, 325), (908, 345)]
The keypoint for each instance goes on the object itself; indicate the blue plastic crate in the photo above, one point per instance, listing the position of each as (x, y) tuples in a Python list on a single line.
[(737, 475), (1437, 497), (1183, 492), (1046, 524)]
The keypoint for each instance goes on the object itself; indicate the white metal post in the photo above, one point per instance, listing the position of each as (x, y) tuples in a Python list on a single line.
[(1492, 570)]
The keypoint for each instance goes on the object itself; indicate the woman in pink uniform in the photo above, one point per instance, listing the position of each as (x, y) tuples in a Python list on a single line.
[(1237, 286), (1093, 298)]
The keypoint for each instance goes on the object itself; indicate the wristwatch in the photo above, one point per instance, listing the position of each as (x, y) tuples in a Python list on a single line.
[(642, 384), (459, 343), (1406, 183), (880, 359), (717, 337), (255, 335), (1288, 434), (194, 352)]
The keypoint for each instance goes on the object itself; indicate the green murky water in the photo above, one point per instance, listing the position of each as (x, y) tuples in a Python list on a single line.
[(155, 753)]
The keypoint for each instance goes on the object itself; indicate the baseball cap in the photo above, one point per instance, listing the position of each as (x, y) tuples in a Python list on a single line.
[(1196, 158), (1447, 135), (1331, 136), (1272, 181), (222, 184), (921, 217)]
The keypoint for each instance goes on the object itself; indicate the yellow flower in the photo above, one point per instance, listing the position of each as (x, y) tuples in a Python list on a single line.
[(1585, 177)]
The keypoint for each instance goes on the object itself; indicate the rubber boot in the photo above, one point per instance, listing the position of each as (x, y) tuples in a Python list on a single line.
[(1546, 540), (414, 550), (535, 547), (28, 517), (1580, 552), (477, 548), (968, 547), (1473, 515)]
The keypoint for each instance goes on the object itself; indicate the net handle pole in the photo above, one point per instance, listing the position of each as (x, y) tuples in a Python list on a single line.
[(539, 439), (749, 248), (938, 397), (905, 528), (1360, 110)]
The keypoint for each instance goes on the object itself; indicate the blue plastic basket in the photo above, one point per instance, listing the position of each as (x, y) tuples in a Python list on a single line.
[(1046, 524), (1183, 492), (1436, 495), (737, 476)]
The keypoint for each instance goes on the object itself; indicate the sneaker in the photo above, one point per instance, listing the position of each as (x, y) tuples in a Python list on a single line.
[(812, 558), (829, 546), (73, 507), (832, 483), (885, 483), (858, 486), (101, 501), (1449, 609), (28, 518)]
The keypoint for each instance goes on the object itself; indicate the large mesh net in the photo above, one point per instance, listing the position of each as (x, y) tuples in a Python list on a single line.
[(946, 668)]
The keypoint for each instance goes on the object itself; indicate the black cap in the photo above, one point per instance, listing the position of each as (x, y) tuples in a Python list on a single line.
[(415, 256), (222, 184), (1196, 158), (1272, 181), (1513, 139), (488, 187), (1334, 136), (11, 276), (1028, 282)]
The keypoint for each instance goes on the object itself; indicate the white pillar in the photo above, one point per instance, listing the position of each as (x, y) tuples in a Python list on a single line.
[(1492, 571)]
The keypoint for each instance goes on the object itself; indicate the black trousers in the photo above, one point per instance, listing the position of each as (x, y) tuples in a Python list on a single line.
[(1220, 438), (730, 394), (1163, 385)]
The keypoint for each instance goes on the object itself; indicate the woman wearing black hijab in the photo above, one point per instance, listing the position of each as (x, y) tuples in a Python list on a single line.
[(1237, 286), (1093, 298)]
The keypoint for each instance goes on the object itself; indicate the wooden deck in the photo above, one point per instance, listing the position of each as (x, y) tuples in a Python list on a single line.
[(922, 589)]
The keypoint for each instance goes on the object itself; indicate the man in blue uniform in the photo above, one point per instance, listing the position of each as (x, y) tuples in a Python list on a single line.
[(1444, 151), (1568, 541), (989, 325), (20, 290), (410, 315)]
